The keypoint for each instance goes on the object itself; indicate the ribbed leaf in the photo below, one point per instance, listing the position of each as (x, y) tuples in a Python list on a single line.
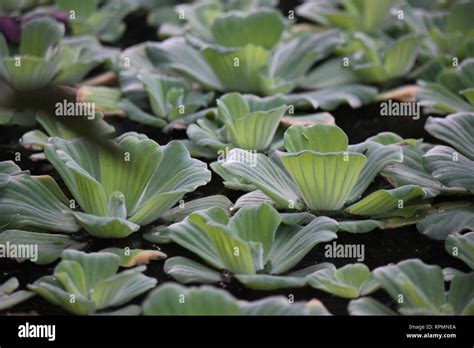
[(189, 236), (178, 55), (450, 167), (48, 288), (260, 28), (248, 129), (266, 175), (461, 294), (257, 224), (188, 271), (388, 202), (33, 202), (318, 138), (235, 254), (332, 176), (422, 286), (446, 219), (50, 246), (456, 129), (106, 227), (440, 99), (332, 97), (172, 299), (293, 244), (96, 266), (180, 212), (121, 288), (32, 73), (400, 58), (170, 183), (378, 157), (238, 70), (39, 36), (462, 247), (368, 306)]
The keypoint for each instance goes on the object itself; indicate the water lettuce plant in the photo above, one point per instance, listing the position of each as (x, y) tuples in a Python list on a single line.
[(105, 21), (350, 15), (451, 92), (340, 174), (419, 290), (174, 299), (158, 99), (350, 281), (243, 121), (86, 283), (44, 57), (122, 188), (230, 60), (445, 169), (253, 245)]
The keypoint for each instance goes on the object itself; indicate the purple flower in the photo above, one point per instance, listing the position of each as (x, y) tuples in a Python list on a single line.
[(10, 27)]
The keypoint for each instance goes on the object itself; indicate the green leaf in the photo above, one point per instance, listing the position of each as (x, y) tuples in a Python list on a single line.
[(266, 175), (238, 69), (121, 288), (461, 294), (392, 202), (400, 57), (378, 157), (257, 224), (332, 97), (235, 253), (334, 176), (92, 281), (33, 202), (180, 212), (105, 182), (449, 167), (456, 129), (248, 128), (188, 271), (262, 28), (48, 288), (350, 281), (368, 306), (9, 297), (39, 36), (172, 299), (318, 138), (440, 99), (447, 218), (106, 227), (421, 286), (176, 54), (292, 244), (33, 72), (49, 246), (462, 247), (270, 282)]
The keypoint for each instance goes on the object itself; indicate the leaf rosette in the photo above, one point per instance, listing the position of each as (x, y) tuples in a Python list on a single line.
[(131, 185)]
